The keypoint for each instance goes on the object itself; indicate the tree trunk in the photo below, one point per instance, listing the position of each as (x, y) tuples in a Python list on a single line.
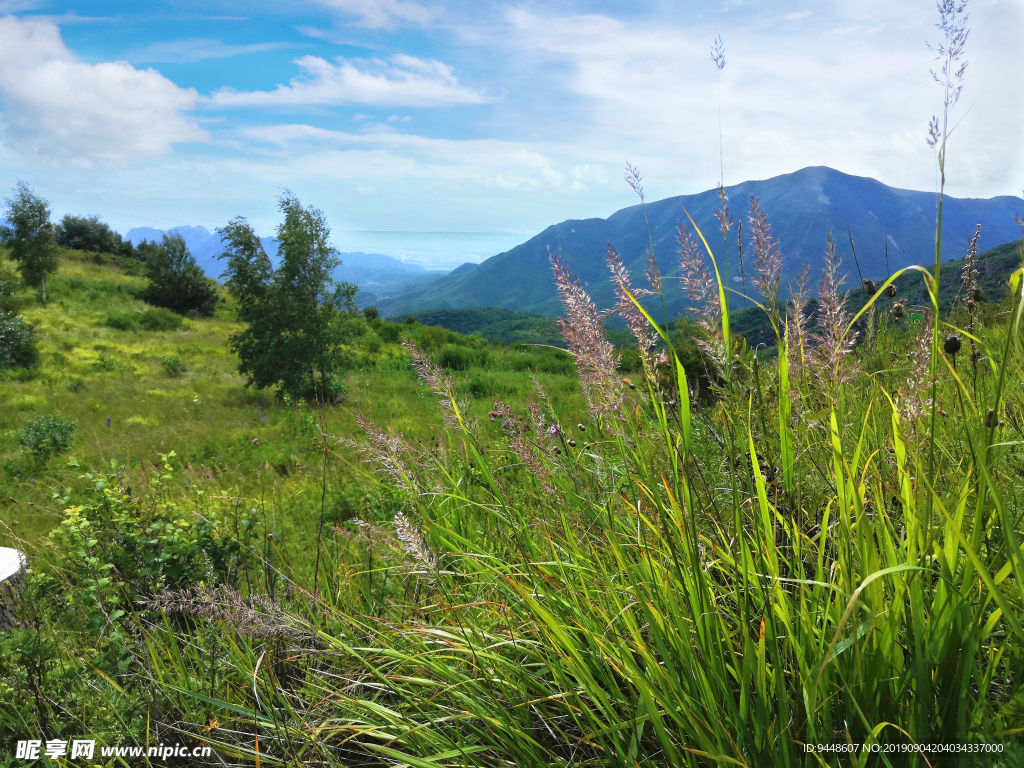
[(13, 565), (44, 288)]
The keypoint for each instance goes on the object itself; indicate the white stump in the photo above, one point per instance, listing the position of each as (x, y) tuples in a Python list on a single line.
[(13, 565)]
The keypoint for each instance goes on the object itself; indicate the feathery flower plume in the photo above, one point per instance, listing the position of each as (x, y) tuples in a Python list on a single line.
[(796, 335), (413, 542), (767, 260), (833, 343), (386, 452), (698, 282), (583, 330), (915, 394), (441, 384), (974, 294), (635, 181), (627, 310), (722, 212), (253, 616), (526, 448)]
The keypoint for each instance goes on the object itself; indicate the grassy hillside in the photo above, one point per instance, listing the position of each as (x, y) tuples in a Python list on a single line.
[(129, 409)]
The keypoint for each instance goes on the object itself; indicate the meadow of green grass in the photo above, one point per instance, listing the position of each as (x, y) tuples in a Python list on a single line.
[(575, 569), (128, 408)]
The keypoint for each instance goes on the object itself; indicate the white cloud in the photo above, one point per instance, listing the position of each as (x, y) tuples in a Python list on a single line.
[(197, 49), (379, 14), (56, 106), (850, 90), (401, 80), (302, 139)]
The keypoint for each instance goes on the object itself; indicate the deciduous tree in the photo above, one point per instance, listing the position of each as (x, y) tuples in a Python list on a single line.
[(297, 316), (30, 236)]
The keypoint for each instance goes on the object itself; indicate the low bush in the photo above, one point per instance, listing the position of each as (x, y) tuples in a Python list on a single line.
[(372, 343), (390, 333), (122, 321), (75, 384), (461, 358), (46, 435), (17, 342), (160, 319), (104, 363), (173, 366)]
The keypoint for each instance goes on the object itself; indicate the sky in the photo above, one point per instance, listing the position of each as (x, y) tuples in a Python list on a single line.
[(486, 116)]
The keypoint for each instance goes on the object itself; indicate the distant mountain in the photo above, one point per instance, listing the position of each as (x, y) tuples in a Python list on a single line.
[(377, 275), (801, 207)]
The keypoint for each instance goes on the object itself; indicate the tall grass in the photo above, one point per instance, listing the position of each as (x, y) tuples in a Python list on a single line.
[(617, 593)]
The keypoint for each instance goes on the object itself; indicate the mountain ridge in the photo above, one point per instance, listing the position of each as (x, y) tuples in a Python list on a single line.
[(801, 207)]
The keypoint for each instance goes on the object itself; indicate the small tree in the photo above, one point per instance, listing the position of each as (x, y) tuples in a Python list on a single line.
[(297, 316), (176, 281), (30, 236), (88, 233)]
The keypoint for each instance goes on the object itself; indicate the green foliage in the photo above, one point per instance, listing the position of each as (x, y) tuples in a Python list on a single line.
[(47, 434), (297, 317), (173, 366), (122, 321), (390, 333), (76, 384), (88, 233), (9, 284), (372, 343), (159, 319), (30, 236), (104, 363), (176, 281), (17, 342), (371, 313), (460, 358)]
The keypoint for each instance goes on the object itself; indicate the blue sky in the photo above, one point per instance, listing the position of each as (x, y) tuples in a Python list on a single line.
[(480, 116)]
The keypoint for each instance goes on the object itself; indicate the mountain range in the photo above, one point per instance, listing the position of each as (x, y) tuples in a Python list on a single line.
[(376, 275), (891, 228)]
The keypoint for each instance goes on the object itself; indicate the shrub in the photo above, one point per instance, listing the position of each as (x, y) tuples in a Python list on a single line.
[(75, 384), (461, 358), (47, 435), (390, 333), (9, 284), (104, 363), (17, 342), (371, 313), (122, 321), (173, 366), (160, 319), (372, 343), (176, 281)]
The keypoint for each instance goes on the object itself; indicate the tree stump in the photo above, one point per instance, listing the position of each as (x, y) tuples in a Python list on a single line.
[(13, 565)]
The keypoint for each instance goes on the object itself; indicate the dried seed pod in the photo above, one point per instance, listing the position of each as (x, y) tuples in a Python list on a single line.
[(971, 304), (891, 291), (898, 309), (952, 345), (869, 287)]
